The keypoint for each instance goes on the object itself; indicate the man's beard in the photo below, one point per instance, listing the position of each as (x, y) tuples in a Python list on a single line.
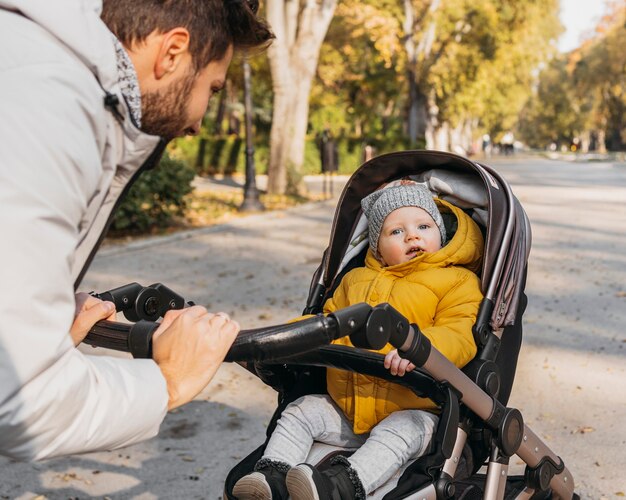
[(164, 113)]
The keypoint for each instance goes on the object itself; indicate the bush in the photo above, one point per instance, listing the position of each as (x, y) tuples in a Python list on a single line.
[(226, 154), (156, 198)]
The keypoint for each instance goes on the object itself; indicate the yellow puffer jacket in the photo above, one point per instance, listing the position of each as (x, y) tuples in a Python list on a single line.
[(434, 292)]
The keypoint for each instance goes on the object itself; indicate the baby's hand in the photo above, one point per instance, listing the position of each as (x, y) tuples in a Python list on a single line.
[(397, 365)]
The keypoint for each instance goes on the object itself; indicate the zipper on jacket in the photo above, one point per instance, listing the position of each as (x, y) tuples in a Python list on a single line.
[(149, 164)]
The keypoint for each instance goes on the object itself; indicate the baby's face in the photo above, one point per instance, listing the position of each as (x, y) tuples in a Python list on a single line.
[(406, 232)]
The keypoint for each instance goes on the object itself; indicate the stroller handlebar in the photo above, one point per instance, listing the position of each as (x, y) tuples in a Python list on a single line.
[(368, 328), (283, 341)]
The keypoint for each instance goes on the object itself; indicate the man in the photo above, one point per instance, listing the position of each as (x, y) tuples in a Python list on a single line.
[(83, 112)]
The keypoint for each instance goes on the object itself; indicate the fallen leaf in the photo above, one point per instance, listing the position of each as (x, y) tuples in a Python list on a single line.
[(583, 430)]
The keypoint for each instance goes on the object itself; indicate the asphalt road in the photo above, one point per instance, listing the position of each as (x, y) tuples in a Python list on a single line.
[(571, 372)]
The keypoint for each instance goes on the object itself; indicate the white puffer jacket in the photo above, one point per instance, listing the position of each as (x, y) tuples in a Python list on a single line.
[(64, 161)]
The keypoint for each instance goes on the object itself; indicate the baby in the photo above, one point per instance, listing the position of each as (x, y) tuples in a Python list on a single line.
[(429, 276)]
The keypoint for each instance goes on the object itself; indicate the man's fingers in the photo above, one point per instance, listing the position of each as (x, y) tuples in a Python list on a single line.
[(96, 312), (169, 317), (172, 315), (110, 306), (231, 329), (194, 314), (86, 318)]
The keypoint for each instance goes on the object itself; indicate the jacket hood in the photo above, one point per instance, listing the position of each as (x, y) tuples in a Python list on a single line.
[(465, 248), (77, 24)]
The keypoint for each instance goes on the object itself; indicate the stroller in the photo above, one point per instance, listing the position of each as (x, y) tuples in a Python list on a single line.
[(475, 426)]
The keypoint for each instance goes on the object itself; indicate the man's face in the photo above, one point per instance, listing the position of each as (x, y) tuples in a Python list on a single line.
[(178, 109)]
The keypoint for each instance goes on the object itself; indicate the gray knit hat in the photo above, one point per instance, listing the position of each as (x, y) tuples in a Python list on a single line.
[(379, 204)]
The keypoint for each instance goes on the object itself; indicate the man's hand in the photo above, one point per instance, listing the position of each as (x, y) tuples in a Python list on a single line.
[(397, 365), (189, 347), (89, 310)]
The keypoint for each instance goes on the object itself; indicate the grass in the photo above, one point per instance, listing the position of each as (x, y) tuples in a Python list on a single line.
[(214, 207), (207, 208)]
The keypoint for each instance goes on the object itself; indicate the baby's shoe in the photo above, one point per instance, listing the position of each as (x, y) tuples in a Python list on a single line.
[(338, 482), (267, 482)]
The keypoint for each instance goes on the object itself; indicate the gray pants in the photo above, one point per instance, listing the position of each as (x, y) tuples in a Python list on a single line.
[(401, 436)]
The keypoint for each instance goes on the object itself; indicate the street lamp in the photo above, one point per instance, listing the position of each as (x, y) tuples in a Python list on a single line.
[(251, 201)]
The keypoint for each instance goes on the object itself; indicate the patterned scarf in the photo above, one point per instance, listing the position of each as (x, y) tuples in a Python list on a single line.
[(127, 78)]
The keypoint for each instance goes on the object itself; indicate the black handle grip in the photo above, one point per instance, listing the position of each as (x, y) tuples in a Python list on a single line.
[(109, 334), (135, 338)]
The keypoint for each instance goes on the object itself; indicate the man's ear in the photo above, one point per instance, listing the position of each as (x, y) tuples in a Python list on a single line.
[(173, 50)]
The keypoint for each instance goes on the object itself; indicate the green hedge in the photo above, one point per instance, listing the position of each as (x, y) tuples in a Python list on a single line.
[(226, 155), (156, 198)]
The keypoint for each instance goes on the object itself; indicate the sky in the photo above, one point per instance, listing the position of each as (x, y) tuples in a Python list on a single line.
[(578, 16)]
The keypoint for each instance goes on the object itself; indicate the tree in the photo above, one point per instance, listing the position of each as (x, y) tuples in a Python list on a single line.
[(418, 52), (356, 89), (599, 73), (445, 42), (479, 62), (552, 114), (582, 93), (300, 28)]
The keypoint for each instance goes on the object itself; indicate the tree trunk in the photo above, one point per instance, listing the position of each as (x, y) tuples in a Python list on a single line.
[(416, 126), (422, 116), (411, 55), (417, 106), (293, 61), (430, 121)]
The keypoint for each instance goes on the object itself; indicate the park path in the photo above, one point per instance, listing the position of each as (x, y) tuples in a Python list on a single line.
[(571, 370)]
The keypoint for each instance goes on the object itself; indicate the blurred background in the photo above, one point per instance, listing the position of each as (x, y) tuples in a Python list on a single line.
[(350, 79)]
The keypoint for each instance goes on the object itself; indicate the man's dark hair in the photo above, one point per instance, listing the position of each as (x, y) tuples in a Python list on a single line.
[(213, 25)]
